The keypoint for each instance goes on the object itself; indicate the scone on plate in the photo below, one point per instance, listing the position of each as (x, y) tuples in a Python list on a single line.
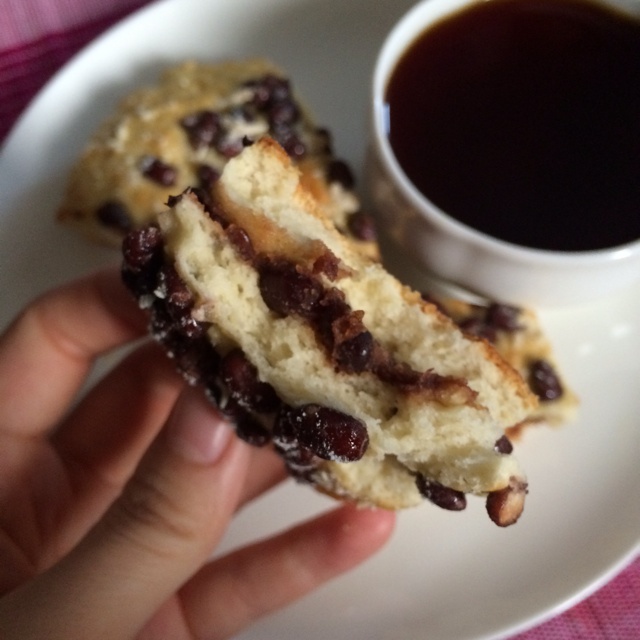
[(366, 390), (181, 131), (519, 337)]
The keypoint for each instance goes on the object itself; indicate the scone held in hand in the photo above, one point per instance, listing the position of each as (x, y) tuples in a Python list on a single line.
[(365, 389)]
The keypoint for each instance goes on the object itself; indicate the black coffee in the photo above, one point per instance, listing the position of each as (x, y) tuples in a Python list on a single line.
[(521, 118)]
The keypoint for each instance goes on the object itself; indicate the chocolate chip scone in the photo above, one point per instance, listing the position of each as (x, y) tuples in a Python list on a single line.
[(181, 131), (519, 337), (366, 390)]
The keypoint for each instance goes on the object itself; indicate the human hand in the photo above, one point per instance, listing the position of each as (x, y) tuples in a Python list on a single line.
[(110, 511)]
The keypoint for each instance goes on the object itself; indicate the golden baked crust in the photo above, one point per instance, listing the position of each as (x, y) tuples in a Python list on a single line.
[(181, 131), (345, 348)]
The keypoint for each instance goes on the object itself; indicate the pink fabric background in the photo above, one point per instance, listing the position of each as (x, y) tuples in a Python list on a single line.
[(36, 38)]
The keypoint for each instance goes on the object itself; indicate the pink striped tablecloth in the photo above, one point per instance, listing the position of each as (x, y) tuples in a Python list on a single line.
[(36, 38)]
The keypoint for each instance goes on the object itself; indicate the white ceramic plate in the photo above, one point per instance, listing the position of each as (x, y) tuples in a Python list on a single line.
[(445, 576)]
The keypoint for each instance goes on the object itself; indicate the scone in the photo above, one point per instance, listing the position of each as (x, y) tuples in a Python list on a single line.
[(181, 131), (366, 390), (518, 336)]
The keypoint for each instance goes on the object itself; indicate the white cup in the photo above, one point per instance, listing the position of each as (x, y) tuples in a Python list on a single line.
[(439, 246)]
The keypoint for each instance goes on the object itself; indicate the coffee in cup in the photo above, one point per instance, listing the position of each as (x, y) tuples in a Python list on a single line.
[(505, 146), (521, 118)]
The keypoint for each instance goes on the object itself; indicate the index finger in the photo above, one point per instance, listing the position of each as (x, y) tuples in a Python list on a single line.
[(47, 351)]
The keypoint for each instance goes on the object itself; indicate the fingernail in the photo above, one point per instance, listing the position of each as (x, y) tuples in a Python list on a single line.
[(196, 430)]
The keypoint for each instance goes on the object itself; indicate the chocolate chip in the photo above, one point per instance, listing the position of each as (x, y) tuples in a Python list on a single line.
[(207, 176), (503, 445), (172, 305), (544, 381), (300, 461), (251, 430), (241, 242), (142, 247), (328, 264), (354, 355), (283, 113), (239, 375), (114, 214), (331, 307), (162, 325), (196, 360), (339, 171), (158, 171), (290, 142), (353, 344), (441, 496), (362, 226), (286, 290), (488, 322), (478, 327), (503, 317), (142, 252), (229, 147), (329, 433), (269, 89), (245, 388), (203, 128), (173, 290), (166, 319)]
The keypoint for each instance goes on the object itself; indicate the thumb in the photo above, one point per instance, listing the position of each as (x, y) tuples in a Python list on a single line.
[(165, 524)]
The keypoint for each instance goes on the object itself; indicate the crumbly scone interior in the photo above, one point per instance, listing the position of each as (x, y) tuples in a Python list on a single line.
[(448, 435), (423, 339)]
